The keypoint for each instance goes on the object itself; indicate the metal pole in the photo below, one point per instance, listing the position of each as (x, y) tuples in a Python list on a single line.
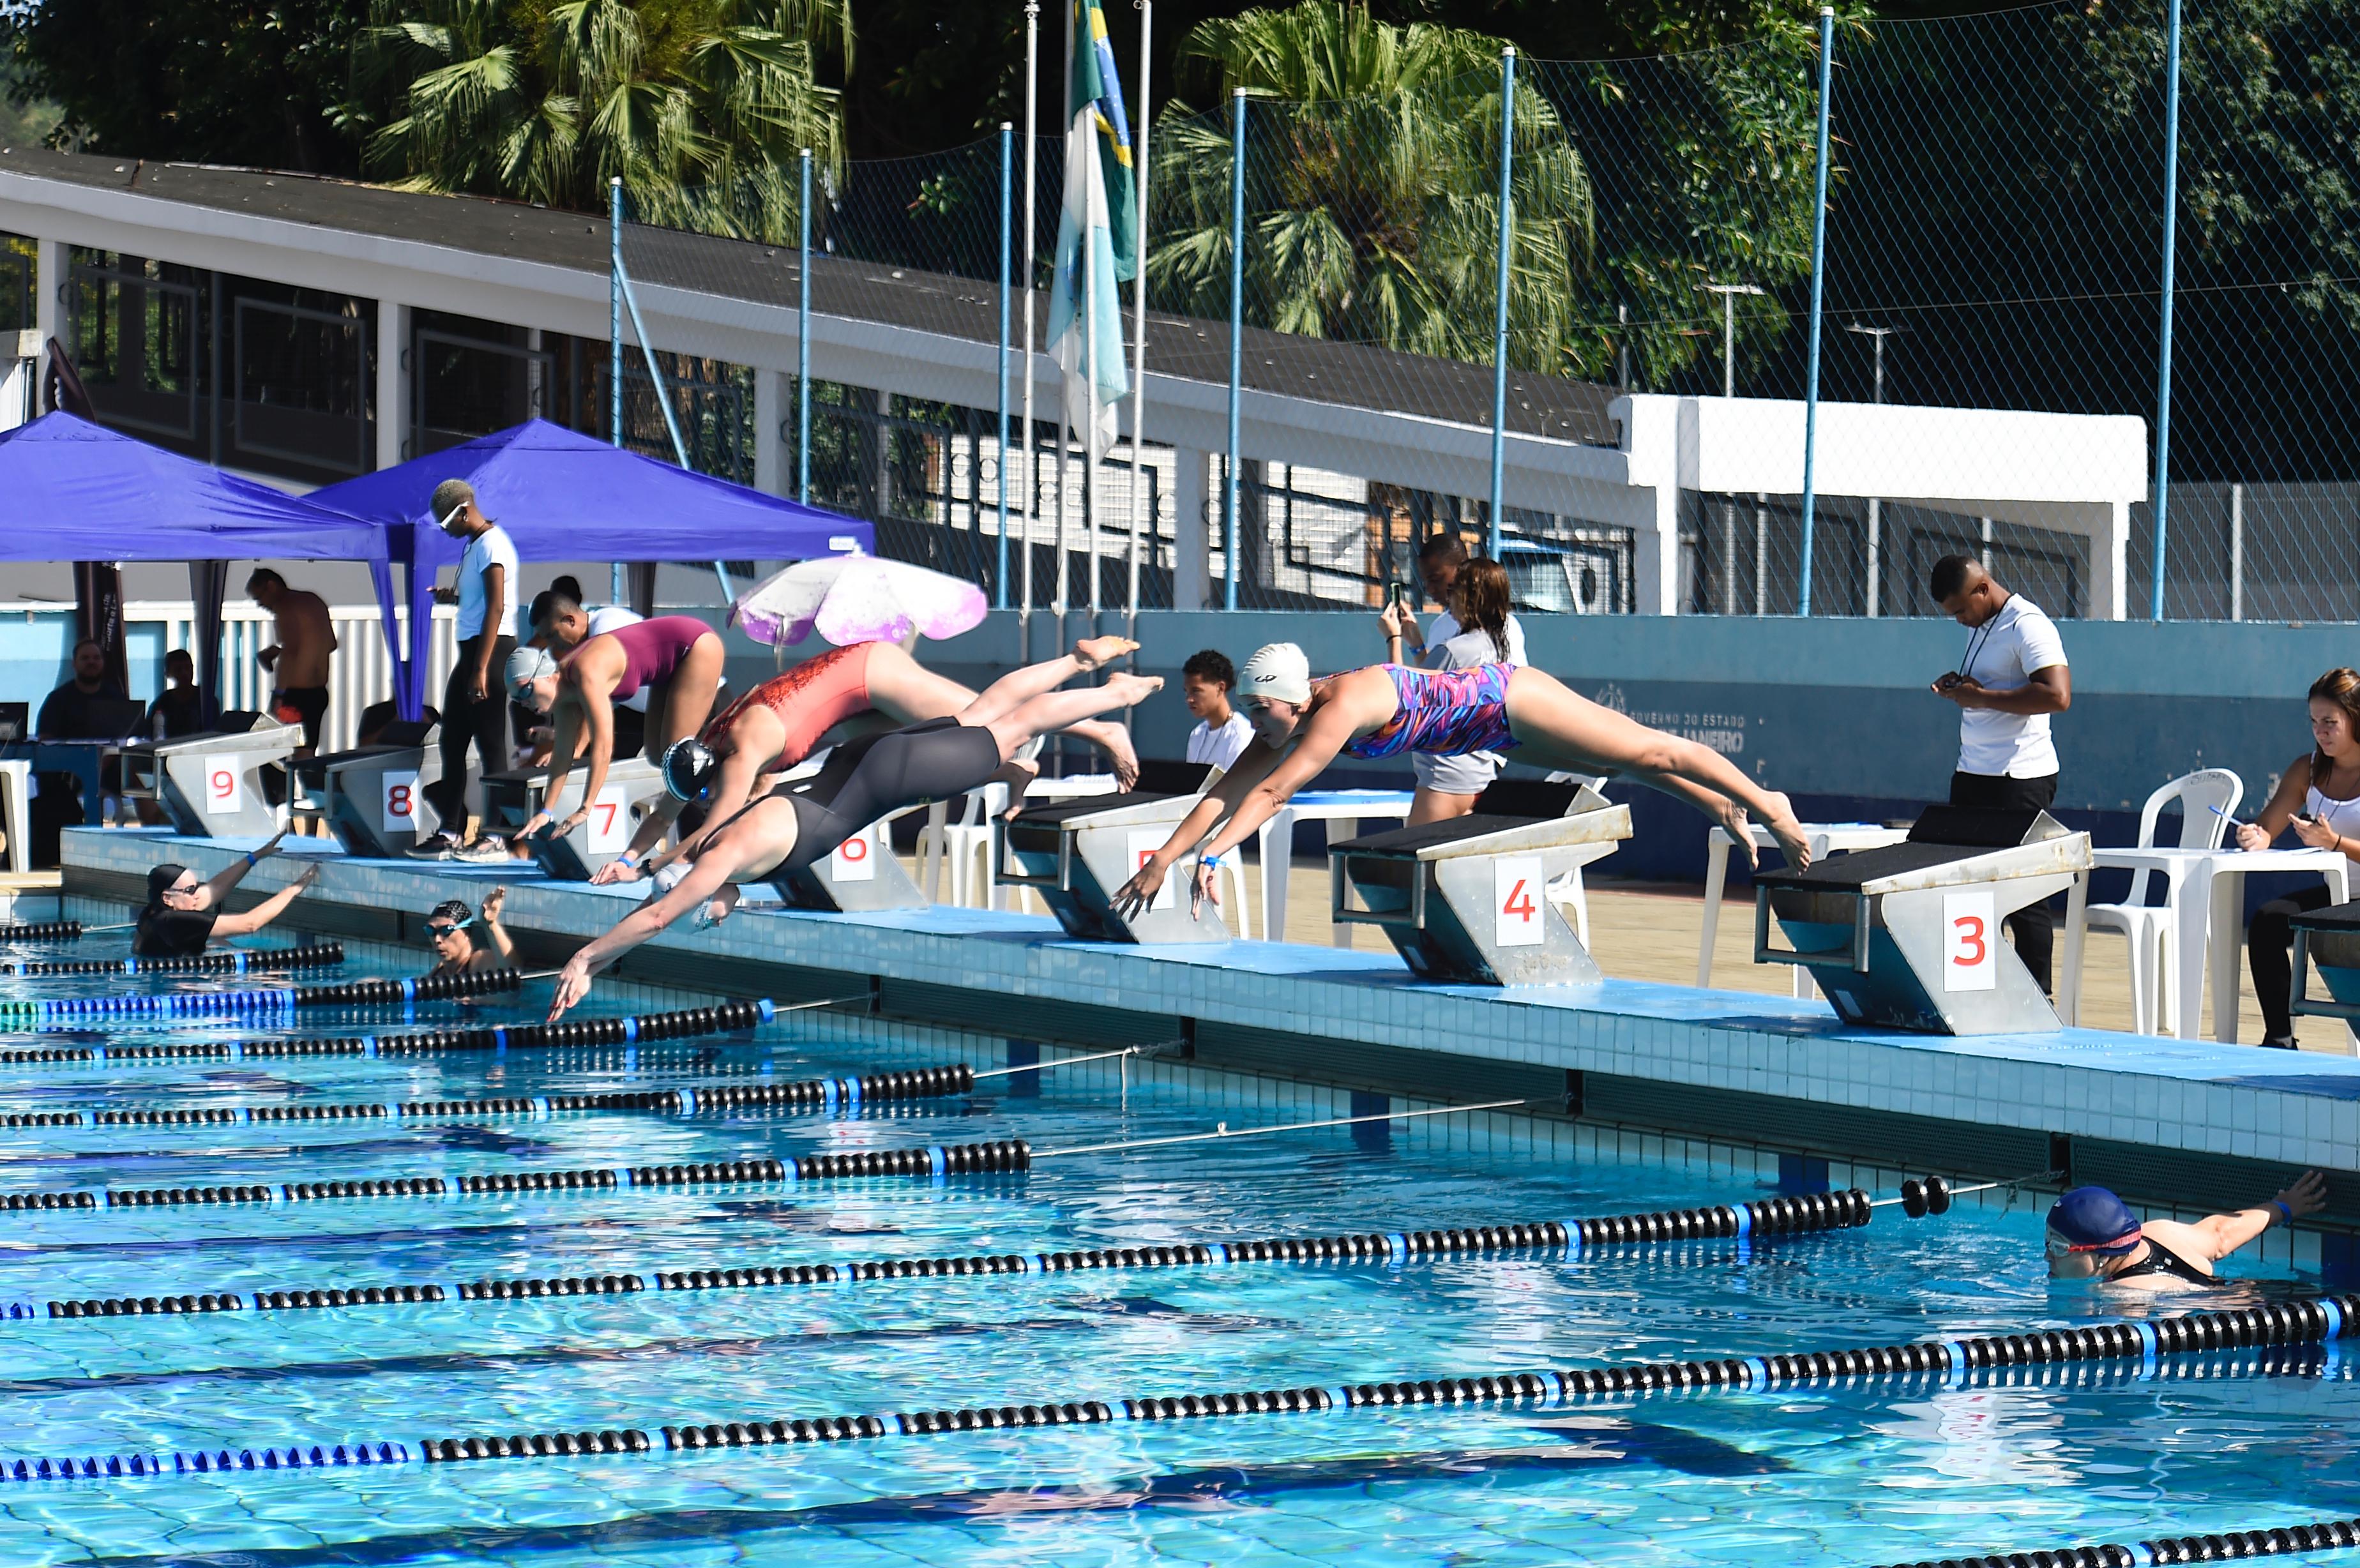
[(1024, 359), (2163, 376), (803, 340), (615, 587), (1139, 322), (1819, 294), (1007, 222), (2237, 552), (1237, 334), (1091, 283), (664, 400), (1875, 336), (1499, 293)]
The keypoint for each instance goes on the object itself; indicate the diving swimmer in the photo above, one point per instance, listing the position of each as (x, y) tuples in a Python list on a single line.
[(799, 824), (781, 721), (1385, 710)]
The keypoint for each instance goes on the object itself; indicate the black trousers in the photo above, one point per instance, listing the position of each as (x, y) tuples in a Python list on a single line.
[(2269, 955), (464, 720), (2035, 928)]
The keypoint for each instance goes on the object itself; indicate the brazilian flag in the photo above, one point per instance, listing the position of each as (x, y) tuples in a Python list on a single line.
[(1098, 91)]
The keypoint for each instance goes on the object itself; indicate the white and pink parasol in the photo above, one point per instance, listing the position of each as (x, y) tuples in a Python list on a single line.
[(856, 598)]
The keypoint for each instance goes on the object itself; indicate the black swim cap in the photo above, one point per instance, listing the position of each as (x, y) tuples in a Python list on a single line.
[(455, 910), (159, 881), (688, 767)]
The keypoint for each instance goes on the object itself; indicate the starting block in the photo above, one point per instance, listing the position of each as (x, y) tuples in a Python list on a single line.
[(2328, 939), (857, 877), (1908, 936), (376, 798), (634, 786), (1076, 852), (1466, 901), (222, 784)]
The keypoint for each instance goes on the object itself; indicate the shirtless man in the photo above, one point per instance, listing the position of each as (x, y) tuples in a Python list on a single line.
[(781, 721), (2093, 1235), (798, 823), (297, 661)]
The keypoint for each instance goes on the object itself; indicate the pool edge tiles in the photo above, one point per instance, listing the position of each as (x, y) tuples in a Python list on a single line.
[(2153, 1117)]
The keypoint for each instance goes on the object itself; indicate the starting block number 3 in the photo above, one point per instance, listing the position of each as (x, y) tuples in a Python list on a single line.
[(1518, 896), (224, 787), (1970, 942)]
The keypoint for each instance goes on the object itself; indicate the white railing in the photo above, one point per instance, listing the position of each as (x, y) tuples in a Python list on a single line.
[(360, 673)]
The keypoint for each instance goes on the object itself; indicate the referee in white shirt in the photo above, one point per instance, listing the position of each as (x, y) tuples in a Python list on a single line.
[(2013, 677)]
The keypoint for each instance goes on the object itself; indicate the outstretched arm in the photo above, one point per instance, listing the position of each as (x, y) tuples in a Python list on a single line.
[(217, 887), (2225, 1234), (1224, 806), (502, 943), (626, 867), (270, 910), (708, 877)]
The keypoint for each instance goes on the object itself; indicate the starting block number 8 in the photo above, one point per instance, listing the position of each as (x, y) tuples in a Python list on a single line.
[(400, 804), (1970, 942), (1519, 896), (224, 787)]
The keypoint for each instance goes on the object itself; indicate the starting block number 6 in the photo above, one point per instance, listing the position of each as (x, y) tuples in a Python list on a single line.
[(400, 804), (1519, 895), (224, 787), (1970, 942), (854, 860)]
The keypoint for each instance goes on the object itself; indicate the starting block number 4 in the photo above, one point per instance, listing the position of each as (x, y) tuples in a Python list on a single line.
[(1142, 846), (1970, 942), (1518, 896), (400, 803), (854, 860), (224, 787)]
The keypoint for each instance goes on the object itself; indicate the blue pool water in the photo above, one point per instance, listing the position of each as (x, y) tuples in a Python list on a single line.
[(1857, 1475)]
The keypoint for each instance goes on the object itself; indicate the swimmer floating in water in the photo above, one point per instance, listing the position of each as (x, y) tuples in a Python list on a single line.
[(1384, 710), (2093, 1235), (451, 929), (799, 824)]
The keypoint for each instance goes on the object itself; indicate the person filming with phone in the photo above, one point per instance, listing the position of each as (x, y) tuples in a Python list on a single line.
[(2319, 796)]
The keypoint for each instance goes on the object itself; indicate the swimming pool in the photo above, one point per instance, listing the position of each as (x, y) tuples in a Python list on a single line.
[(1848, 1473)]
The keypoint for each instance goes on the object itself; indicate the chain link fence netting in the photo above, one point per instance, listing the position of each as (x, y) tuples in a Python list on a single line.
[(1993, 243)]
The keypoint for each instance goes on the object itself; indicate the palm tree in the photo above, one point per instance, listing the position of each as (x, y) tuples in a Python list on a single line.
[(1371, 188), (702, 106)]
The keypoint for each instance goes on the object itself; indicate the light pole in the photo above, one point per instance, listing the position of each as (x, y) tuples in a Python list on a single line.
[(1876, 552), (1729, 293)]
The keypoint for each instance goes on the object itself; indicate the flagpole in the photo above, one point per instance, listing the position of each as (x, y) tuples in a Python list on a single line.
[(1090, 281), (1064, 437), (1139, 326), (1031, 227)]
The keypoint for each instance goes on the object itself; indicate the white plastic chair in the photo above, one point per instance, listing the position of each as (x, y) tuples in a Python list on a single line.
[(2153, 932), (964, 847)]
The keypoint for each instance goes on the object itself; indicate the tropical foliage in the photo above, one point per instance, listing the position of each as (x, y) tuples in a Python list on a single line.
[(701, 107)]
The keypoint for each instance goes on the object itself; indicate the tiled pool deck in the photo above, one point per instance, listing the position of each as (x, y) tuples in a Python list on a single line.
[(2153, 1117)]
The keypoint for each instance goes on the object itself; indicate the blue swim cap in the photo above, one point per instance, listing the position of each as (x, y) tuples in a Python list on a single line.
[(2092, 1219)]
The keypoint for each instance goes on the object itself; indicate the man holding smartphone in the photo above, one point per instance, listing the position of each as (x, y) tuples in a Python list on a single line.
[(2013, 677), (475, 706)]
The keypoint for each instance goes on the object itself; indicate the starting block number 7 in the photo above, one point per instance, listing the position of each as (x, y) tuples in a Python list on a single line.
[(1519, 899), (1970, 942)]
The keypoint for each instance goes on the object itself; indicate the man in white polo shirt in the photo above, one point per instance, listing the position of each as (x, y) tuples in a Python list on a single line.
[(2013, 677)]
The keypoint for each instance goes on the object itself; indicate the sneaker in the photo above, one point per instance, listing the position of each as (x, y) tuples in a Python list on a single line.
[(489, 850), (434, 846)]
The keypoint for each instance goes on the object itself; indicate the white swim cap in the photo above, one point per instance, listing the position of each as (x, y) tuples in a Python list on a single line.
[(1279, 670), (668, 876), (527, 665)]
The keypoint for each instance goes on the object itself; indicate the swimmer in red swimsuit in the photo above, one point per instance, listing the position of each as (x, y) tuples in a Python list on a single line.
[(677, 658), (783, 720), (1302, 724)]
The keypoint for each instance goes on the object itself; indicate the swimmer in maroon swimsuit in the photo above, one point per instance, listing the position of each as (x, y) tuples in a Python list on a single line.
[(677, 658), (783, 720), (1302, 724)]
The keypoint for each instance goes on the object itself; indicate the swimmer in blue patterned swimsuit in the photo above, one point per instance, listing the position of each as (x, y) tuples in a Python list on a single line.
[(1301, 726)]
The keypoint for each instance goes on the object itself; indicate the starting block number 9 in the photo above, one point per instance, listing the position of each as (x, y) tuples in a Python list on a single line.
[(1142, 846), (400, 803), (224, 787), (854, 860), (1519, 896), (1970, 942)]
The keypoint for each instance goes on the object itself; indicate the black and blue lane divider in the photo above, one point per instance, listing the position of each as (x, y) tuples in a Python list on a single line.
[(935, 1161), (42, 931), (1765, 1218), (2131, 1344), (273, 999), (2228, 1546), (230, 961), (686, 1023), (827, 1096)]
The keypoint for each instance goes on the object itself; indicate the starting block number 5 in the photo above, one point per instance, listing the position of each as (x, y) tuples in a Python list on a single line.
[(1142, 846), (1519, 896), (1970, 942), (400, 804), (224, 787), (854, 860)]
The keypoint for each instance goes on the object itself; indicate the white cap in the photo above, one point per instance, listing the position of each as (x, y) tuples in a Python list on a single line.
[(527, 665), (1279, 671)]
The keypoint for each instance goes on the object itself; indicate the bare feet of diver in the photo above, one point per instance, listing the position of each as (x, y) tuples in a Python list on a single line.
[(1096, 653)]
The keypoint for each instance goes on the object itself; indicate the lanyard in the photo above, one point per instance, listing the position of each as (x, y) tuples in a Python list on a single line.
[(1975, 641)]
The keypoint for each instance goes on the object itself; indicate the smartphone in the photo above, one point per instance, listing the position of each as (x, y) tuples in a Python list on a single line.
[(1393, 593)]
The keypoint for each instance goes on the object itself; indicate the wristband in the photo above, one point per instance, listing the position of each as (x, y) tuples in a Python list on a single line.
[(1209, 861), (2283, 1209), (628, 859), (251, 862)]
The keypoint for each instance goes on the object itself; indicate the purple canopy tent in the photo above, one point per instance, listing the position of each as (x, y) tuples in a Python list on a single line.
[(565, 496), (80, 492)]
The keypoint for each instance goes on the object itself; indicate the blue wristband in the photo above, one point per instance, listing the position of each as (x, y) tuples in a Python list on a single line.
[(2281, 1207), (250, 861), (628, 859), (1209, 861)]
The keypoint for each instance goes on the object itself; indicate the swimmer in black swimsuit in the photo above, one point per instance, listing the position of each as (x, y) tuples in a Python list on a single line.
[(799, 822), (2093, 1235)]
